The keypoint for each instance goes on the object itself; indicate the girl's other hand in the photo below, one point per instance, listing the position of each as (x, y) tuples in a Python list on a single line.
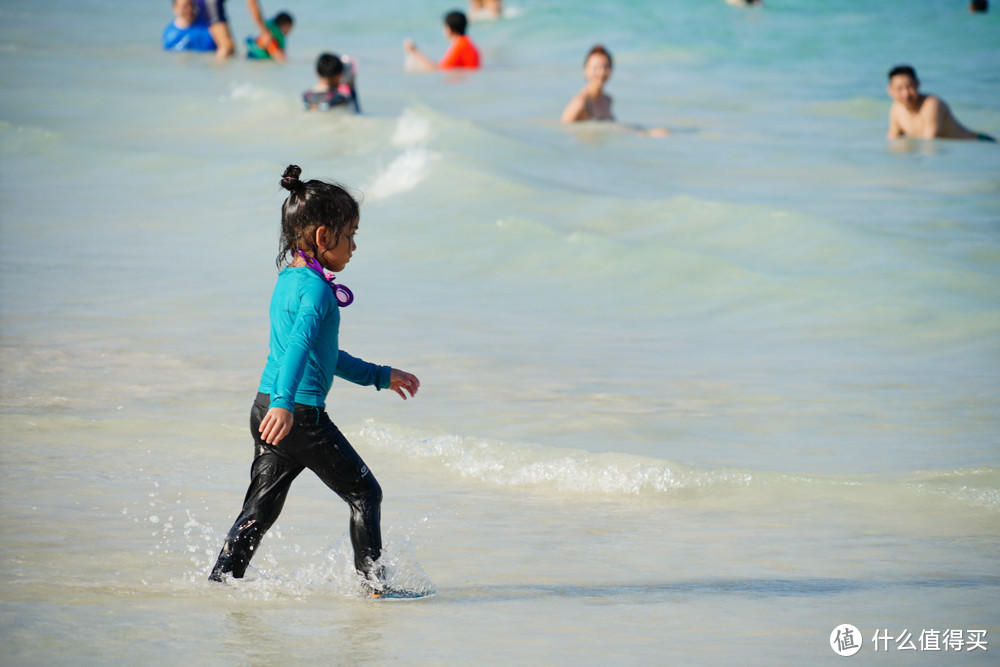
[(276, 425), (402, 382)]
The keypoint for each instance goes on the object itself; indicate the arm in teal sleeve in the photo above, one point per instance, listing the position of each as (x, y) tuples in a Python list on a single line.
[(293, 363), (362, 372)]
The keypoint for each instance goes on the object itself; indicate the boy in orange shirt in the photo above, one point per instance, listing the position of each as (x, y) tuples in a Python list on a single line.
[(462, 54)]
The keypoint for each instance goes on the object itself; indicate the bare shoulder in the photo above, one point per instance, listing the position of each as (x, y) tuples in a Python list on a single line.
[(576, 109), (932, 104)]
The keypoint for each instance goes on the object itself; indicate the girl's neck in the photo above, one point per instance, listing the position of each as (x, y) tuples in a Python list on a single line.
[(595, 89)]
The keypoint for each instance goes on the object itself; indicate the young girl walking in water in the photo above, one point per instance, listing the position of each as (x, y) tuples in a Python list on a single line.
[(290, 427)]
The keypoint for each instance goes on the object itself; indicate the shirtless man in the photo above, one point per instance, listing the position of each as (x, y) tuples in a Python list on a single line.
[(921, 116)]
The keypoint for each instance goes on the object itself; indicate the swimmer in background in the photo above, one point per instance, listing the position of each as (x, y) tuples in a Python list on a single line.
[(462, 54), (188, 31), (920, 116), (270, 44), (979, 6), (592, 103), (336, 85), (214, 12), (480, 10), (746, 3)]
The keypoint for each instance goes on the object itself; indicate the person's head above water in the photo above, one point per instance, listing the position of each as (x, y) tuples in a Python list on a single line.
[(329, 67), (979, 6), (284, 21), (456, 23), (597, 65), (904, 70), (904, 86), (598, 50), (309, 206), (186, 12)]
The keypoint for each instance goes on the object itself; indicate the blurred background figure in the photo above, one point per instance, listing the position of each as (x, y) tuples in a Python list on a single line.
[(188, 31), (462, 54), (335, 86), (592, 103), (270, 44), (213, 12), (480, 10), (920, 116)]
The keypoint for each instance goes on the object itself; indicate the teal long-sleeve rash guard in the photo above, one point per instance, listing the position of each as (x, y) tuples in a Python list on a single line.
[(304, 355)]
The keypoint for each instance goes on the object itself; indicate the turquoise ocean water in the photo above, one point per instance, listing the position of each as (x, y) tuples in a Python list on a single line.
[(694, 400)]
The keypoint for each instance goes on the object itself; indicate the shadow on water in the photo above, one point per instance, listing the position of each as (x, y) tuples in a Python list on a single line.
[(750, 588)]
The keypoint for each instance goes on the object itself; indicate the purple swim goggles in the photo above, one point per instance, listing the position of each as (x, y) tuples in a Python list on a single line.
[(345, 297)]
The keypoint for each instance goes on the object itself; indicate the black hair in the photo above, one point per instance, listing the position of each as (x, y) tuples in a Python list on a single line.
[(904, 69), (310, 205), (979, 5), (456, 22), (599, 49), (282, 19), (329, 65)]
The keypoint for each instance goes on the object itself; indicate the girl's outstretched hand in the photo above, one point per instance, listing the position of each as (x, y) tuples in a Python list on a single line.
[(402, 382), (276, 425)]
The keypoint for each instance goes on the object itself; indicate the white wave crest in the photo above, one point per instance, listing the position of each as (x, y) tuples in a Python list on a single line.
[(411, 130), (504, 464), (404, 173)]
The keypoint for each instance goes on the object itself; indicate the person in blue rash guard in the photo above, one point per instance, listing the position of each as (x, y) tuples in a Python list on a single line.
[(188, 31), (288, 419)]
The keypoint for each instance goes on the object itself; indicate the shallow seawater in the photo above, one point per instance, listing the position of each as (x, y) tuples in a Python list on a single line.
[(699, 399)]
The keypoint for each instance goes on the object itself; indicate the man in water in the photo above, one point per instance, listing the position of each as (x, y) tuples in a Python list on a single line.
[(921, 116)]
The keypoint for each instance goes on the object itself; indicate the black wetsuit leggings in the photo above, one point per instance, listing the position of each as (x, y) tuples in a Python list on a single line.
[(315, 443)]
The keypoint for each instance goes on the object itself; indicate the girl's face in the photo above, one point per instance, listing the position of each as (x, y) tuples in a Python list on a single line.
[(597, 69), (336, 252)]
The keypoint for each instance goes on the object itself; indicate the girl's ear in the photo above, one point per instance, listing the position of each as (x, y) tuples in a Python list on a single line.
[(322, 239)]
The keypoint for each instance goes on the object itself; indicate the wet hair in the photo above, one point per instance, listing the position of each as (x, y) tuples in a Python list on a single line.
[(310, 205), (283, 19), (456, 22), (904, 69), (599, 49), (979, 5), (329, 65)]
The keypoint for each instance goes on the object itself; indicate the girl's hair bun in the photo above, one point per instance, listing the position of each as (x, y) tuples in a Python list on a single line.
[(290, 179)]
